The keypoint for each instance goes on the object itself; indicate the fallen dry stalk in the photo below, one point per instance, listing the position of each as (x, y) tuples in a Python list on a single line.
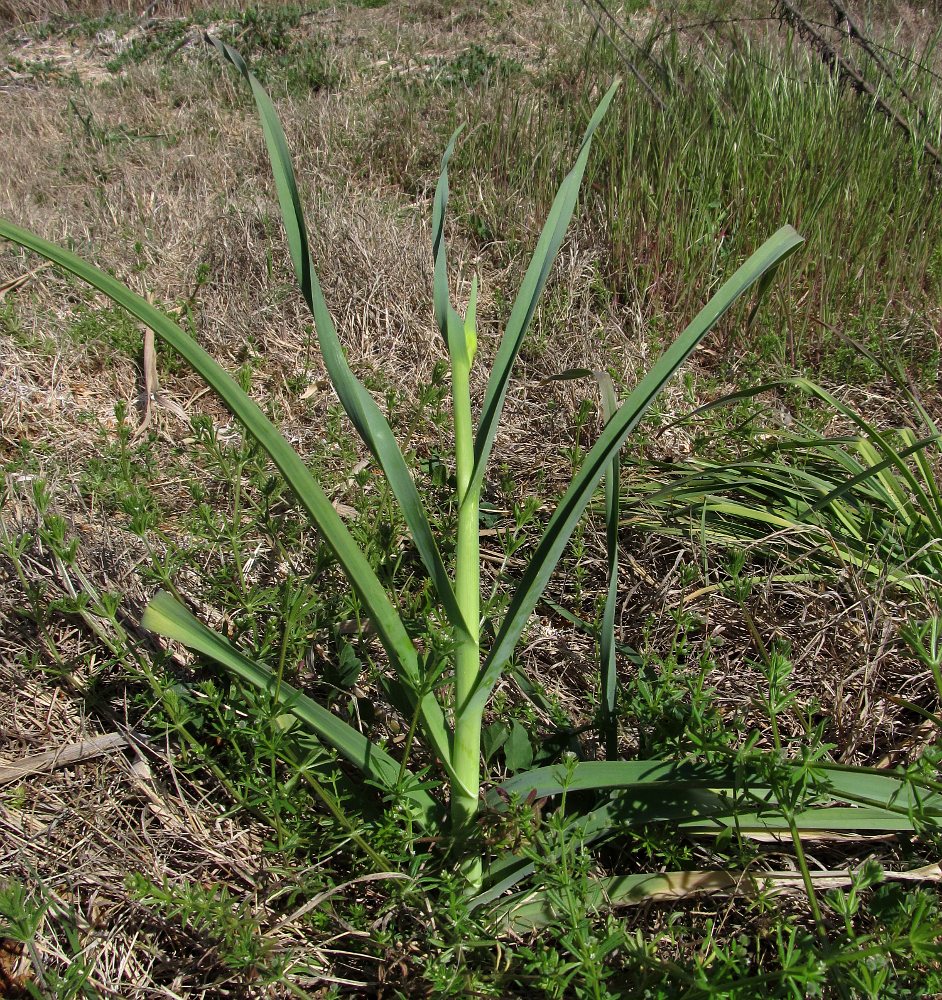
[(75, 753)]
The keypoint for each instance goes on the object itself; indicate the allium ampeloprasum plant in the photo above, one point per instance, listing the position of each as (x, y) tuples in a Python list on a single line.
[(446, 700)]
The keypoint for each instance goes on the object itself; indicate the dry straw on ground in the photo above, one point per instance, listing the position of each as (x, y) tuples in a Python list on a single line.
[(19, 12), (77, 164)]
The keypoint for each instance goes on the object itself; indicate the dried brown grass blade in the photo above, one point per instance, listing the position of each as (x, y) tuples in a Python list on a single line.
[(536, 910), (152, 397), (73, 754), (151, 383), (14, 283), (676, 885)]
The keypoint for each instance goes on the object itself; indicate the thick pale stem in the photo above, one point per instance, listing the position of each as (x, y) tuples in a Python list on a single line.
[(467, 591), (467, 745)]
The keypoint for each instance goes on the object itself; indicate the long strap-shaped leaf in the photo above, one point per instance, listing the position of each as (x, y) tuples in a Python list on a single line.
[(547, 247), (166, 616), (697, 802), (894, 489), (567, 514), (360, 406), (608, 673), (389, 627), (553, 779), (608, 678), (882, 789), (449, 322)]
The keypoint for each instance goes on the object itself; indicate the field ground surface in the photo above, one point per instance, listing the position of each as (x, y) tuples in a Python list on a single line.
[(169, 831)]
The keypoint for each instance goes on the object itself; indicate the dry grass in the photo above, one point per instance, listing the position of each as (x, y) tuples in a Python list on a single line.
[(80, 830), (20, 12), (119, 167), (160, 172)]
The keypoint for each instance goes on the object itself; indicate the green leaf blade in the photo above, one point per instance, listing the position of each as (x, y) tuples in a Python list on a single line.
[(167, 617), (356, 567), (359, 405), (561, 525)]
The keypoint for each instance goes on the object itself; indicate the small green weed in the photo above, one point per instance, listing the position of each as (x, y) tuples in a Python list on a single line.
[(66, 974), (473, 66), (120, 478), (21, 913), (226, 927), (158, 42)]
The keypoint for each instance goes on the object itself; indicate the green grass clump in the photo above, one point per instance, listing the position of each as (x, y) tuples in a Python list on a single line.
[(473, 66), (746, 137), (868, 498), (299, 66), (105, 330), (284, 58)]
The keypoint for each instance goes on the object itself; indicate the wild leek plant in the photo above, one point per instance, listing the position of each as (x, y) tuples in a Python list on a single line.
[(445, 699)]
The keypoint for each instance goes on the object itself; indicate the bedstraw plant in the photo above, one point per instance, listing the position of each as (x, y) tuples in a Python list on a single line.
[(444, 695)]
